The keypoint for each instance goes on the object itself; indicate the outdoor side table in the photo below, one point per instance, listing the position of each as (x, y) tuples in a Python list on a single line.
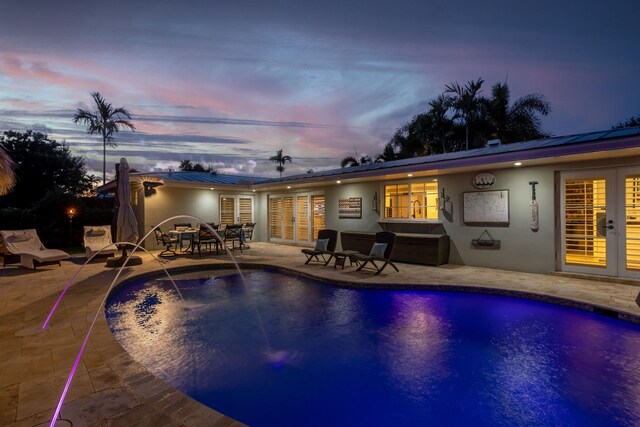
[(341, 258)]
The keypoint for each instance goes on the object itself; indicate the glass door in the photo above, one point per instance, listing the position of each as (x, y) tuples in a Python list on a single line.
[(295, 218), (236, 209), (628, 223), (587, 222)]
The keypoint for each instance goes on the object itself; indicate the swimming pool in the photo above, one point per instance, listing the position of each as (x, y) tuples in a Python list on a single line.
[(287, 350)]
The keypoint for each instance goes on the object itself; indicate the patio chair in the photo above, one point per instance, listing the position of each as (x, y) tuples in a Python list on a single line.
[(233, 233), (381, 252), (325, 245), (248, 230), (28, 246), (206, 238), (166, 241), (96, 237)]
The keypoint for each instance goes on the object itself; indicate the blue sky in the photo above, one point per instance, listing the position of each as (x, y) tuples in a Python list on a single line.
[(229, 83)]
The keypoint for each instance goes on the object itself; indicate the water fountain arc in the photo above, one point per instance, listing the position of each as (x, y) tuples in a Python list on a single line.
[(137, 246)]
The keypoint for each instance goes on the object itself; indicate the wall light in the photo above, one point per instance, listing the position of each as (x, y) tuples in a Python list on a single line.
[(517, 164)]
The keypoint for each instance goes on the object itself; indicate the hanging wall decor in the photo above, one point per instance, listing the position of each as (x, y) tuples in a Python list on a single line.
[(533, 207), (486, 208), (350, 208), (484, 180)]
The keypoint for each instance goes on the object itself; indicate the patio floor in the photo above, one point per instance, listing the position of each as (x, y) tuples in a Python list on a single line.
[(110, 388)]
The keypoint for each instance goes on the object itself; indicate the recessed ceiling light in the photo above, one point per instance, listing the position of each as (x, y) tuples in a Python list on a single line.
[(409, 175), (210, 188), (288, 186), (338, 182), (253, 191), (517, 164)]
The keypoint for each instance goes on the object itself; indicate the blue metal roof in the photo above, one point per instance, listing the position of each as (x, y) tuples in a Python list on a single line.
[(572, 144), (607, 140), (204, 177)]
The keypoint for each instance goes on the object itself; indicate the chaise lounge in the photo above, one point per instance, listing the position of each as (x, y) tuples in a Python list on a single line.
[(28, 246), (97, 239)]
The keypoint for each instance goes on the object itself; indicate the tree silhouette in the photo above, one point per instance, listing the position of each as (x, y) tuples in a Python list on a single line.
[(106, 121), (351, 161), (280, 159), (467, 103), (517, 122), (630, 122)]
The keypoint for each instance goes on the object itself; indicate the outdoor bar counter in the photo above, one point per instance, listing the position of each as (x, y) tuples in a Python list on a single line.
[(416, 248)]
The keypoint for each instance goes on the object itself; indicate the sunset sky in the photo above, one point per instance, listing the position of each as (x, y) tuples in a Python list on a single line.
[(227, 83)]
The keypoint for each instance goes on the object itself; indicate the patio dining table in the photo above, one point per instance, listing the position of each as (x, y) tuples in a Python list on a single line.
[(186, 234)]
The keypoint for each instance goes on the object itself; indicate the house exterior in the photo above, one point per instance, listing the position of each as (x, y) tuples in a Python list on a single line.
[(587, 198)]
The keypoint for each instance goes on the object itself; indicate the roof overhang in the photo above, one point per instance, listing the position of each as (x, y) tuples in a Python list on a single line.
[(597, 150)]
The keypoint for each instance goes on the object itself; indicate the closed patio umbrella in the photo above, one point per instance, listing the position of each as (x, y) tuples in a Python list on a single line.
[(126, 224), (7, 177)]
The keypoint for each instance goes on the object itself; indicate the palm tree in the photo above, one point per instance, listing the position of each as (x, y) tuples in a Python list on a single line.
[(467, 103), (280, 160), (517, 122), (441, 138), (105, 121), (350, 161), (7, 176)]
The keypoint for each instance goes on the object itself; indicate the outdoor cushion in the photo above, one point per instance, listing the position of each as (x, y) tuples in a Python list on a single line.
[(97, 239), (19, 238), (378, 250), (321, 244), (96, 232)]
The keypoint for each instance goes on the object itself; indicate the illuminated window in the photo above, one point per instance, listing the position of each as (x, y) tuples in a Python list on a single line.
[(585, 222), (318, 218), (412, 201), (632, 218)]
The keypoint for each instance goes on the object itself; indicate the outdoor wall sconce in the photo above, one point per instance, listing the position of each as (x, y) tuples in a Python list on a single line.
[(150, 188), (443, 200), (374, 202)]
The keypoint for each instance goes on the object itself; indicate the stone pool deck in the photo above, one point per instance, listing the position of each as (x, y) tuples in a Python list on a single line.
[(111, 389)]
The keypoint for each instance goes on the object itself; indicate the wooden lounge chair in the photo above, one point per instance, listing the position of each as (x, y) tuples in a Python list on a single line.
[(96, 237), (27, 244), (381, 252), (325, 245)]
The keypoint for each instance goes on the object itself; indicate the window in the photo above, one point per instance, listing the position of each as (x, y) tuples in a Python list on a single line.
[(317, 220), (412, 201)]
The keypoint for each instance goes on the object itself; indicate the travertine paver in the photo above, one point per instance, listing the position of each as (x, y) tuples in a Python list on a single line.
[(111, 389)]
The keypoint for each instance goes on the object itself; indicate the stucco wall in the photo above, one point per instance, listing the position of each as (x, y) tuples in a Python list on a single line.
[(521, 248), (168, 202)]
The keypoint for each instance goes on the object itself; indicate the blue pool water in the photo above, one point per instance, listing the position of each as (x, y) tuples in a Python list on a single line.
[(348, 357)]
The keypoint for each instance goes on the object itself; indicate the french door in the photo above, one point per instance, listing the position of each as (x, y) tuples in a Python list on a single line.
[(236, 209), (600, 222), (295, 218)]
